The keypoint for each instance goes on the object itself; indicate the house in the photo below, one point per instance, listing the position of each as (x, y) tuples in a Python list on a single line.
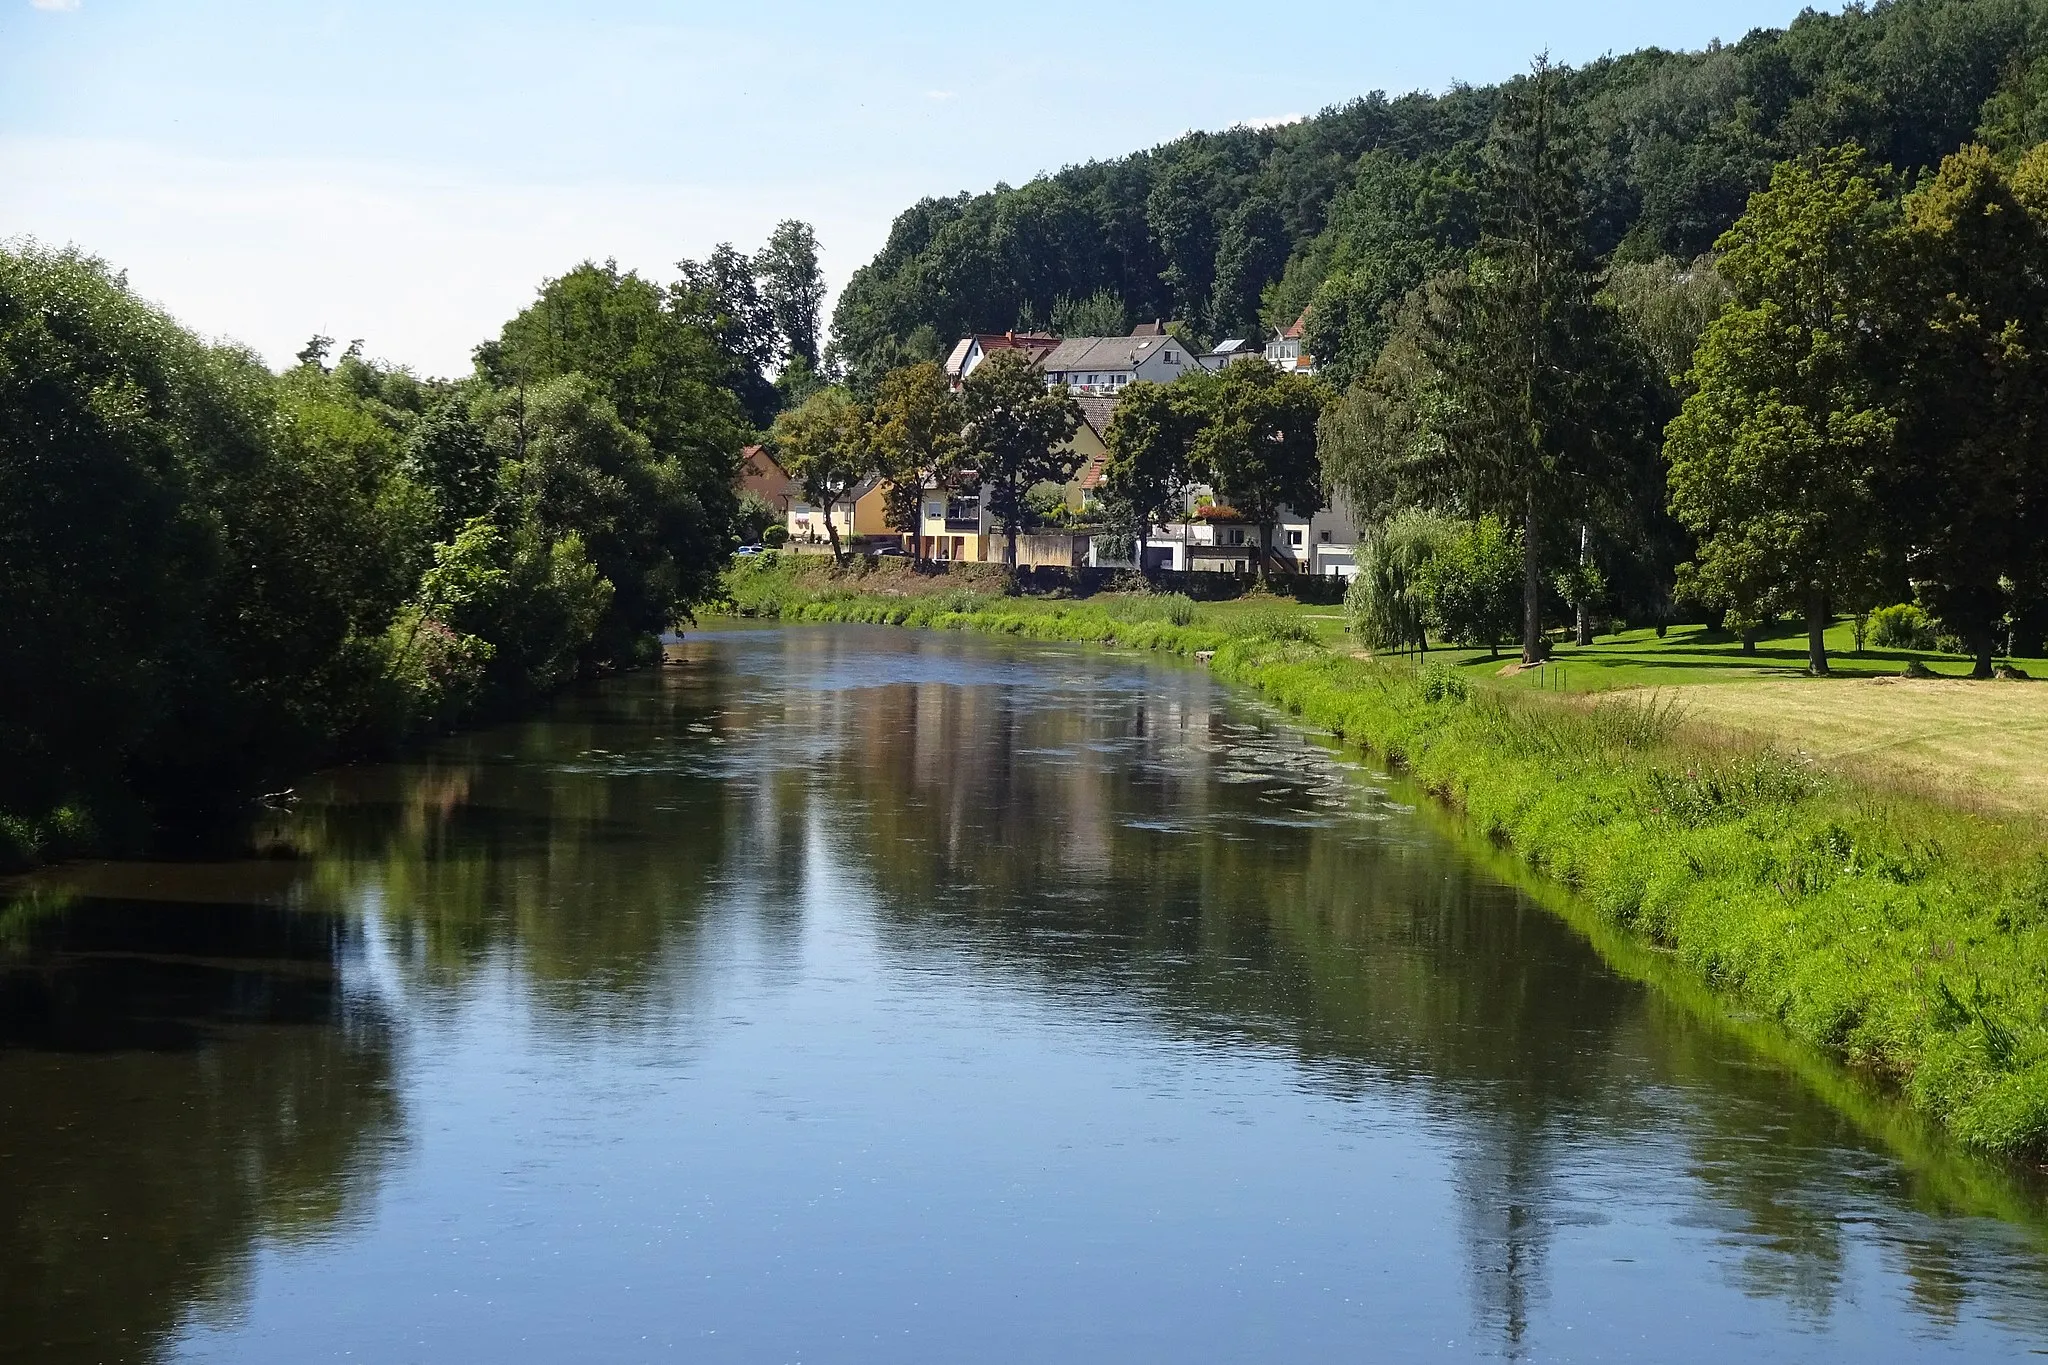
[(955, 525), (970, 351), (1105, 365), (767, 480), (1091, 443), (1283, 352), (1228, 350), (1325, 544), (860, 516)]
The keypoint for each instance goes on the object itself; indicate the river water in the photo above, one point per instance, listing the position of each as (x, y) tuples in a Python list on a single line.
[(843, 994)]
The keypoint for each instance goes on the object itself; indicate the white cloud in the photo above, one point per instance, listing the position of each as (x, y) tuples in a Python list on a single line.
[(54, 5), (423, 267), (1276, 121)]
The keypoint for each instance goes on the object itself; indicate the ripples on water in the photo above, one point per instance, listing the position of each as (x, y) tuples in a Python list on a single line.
[(843, 994)]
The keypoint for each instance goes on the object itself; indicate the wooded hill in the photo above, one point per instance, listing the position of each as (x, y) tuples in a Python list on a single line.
[(1229, 232)]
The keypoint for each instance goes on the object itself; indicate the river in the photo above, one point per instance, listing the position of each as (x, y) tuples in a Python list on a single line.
[(849, 994)]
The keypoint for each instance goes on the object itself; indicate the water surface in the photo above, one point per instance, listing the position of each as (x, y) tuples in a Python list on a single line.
[(847, 994)]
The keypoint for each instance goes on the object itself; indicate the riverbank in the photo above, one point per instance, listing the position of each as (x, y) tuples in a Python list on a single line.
[(1902, 935)]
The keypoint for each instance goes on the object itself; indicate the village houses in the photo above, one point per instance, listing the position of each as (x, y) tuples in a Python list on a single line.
[(956, 526)]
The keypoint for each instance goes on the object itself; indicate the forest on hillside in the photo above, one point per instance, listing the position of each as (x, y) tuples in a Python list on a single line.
[(1345, 213)]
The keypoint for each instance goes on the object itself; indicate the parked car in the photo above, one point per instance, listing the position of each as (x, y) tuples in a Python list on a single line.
[(889, 552), (751, 550)]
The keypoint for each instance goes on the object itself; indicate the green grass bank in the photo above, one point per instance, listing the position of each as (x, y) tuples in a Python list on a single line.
[(1902, 935)]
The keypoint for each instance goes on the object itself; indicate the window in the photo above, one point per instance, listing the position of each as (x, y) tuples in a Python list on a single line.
[(1170, 359), (1294, 537), (1326, 537)]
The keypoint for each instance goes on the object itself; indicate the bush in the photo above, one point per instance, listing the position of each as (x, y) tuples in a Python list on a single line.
[(775, 537), (1904, 626), (1178, 609)]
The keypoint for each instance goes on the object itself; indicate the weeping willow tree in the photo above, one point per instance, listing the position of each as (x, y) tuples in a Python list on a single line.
[(1388, 602)]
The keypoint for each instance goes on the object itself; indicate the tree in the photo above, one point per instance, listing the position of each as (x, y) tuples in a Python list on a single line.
[(1150, 435), (1778, 452), (721, 296), (1256, 443), (446, 454), (1017, 436), (1472, 584), (827, 446), (1100, 314), (1388, 602), (1973, 466), (793, 288), (1251, 254), (666, 377), (918, 421), (1541, 412)]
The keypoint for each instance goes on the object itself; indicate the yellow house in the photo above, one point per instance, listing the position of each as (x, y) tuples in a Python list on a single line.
[(861, 516), (957, 526)]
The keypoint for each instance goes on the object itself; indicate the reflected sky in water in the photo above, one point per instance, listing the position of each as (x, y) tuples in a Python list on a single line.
[(838, 994)]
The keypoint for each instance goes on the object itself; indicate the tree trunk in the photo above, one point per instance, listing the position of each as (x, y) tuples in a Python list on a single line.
[(1984, 644), (1816, 631), (1265, 552), (832, 534), (1138, 549), (1749, 639), (1532, 586), (1581, 608)]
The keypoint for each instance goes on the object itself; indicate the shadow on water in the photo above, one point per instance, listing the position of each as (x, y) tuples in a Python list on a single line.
[(195, 1062), (180, 1079)]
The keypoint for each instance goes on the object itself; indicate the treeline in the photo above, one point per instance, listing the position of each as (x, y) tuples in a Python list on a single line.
[(214, 576), (1343, 214), (1837, 411)]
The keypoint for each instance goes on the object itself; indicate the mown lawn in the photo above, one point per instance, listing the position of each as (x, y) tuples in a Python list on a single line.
[(1972, 743)]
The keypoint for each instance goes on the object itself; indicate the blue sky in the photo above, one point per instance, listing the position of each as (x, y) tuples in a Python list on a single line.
[(408, 173)]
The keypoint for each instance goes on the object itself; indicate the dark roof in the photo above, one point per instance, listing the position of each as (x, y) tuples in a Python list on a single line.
[(1102, 353), (1096, 410)]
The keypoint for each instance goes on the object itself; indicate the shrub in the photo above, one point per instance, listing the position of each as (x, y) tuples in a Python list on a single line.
[(1442, 683), (775, 536), (1904, 626), (1178, 609)]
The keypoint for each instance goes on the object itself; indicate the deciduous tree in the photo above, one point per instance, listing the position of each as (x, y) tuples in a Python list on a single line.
[(918, 424), (827, 445), (1779, 452), (1018, 433)]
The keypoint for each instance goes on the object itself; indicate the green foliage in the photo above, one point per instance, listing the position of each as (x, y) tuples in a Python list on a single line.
[(1016, 436), (1472, 584), (215, 577), (917, 425), (1254, 440), (828, 447), (1100, 314), (1388, 600), (1903, 626), (776, 536), (1375, 194), (1148, 465)]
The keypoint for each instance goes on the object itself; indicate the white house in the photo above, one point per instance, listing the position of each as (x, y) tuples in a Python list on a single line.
[(1283, 352), (1228, 350), (1107, 364), (970, 351)]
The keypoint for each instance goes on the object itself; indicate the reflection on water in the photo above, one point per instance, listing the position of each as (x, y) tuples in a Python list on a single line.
[(867, 995)]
